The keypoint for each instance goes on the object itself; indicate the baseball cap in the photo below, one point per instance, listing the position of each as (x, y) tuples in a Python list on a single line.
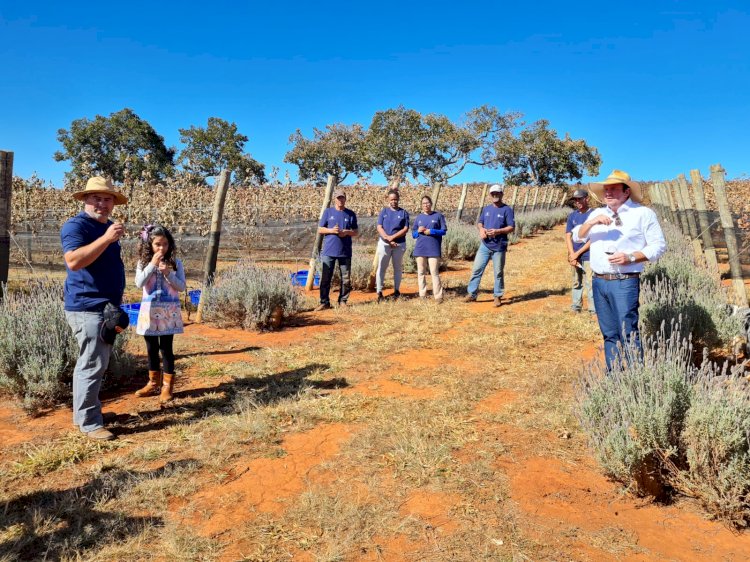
[(580, 194), (497, 188), (339, 193)]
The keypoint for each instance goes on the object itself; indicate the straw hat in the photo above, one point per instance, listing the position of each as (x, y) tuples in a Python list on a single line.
[(618, 176), (98, 184)]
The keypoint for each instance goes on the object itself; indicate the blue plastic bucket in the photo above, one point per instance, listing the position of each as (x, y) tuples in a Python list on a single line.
[(195, 297), (132, 311), (300, 278)]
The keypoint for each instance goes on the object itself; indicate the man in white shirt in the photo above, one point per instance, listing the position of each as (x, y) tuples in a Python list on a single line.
[(623, 235)]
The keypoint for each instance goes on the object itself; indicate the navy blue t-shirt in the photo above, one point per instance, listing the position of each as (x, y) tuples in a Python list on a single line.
[(90, 288), (497, 217), (574, 219), (429, 246), (393, 221), (333, 246)]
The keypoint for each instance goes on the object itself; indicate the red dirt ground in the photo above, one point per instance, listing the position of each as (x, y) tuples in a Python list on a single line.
[(567, 505)]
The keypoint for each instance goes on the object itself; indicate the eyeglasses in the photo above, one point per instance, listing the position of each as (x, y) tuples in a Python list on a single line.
[(618, 220)]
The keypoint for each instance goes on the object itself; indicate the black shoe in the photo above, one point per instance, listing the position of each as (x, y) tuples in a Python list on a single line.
[(380, 297), (322, 306), (396, 294)]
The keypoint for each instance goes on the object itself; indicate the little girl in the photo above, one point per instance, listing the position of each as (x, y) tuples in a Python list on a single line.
[(162, 277)]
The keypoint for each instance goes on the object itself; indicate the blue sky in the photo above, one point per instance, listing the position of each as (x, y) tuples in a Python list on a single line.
[(659, 87)]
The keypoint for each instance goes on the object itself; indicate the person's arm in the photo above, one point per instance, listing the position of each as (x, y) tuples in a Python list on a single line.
[(143, 273), (655, 247), (88, 254), (581, 233), (177, 278), (415, 230), (482, 231), (383, 235), (400, 233)]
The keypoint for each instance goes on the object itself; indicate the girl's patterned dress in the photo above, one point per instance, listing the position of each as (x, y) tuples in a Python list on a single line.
[(160, 306)]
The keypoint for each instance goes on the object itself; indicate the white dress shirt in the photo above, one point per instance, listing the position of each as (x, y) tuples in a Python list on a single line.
[(640, 232)]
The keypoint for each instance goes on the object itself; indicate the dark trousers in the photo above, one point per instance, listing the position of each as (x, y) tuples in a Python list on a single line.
[(155, 344), (617, 311), (328, 265)]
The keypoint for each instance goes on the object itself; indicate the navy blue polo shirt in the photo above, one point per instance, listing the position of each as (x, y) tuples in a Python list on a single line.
[(429, 246), (497, 217), (574, 219), (333, 246), (393, 221), (91, 287)]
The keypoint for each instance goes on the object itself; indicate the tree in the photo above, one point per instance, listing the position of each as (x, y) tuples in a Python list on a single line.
[(396, 144), (450, 147), (538, 156), (338, 150), (122, 147), (402, 141), (219, 147)]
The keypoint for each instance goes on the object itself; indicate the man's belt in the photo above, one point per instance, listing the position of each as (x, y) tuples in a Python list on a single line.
[(616, 276)]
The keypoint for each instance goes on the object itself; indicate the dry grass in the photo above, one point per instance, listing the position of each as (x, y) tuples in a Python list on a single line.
[(441, 446)]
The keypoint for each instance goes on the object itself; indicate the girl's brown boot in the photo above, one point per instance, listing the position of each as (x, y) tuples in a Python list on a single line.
[(166, 388), (152, 386)]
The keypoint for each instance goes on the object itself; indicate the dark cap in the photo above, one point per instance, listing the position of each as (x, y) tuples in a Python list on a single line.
[(339, 193), (114, 318), (580, 194)]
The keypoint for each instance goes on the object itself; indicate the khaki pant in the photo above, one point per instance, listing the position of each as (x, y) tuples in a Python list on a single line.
[(434, 265)]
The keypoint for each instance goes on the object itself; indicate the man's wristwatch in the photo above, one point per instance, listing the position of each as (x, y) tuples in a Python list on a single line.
[(631, 258)]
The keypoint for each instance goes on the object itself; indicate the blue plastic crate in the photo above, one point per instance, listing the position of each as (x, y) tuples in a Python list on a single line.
[(300, 278), (132, 311), (195, 297)]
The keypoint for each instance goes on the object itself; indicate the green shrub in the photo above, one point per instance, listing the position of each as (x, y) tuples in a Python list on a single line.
[(716, 442), (250, 297), (461, 242), (38, 351), (676, 286), (634, 414)]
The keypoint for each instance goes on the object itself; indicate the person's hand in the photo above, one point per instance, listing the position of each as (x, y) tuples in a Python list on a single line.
[(600, 219), (393, 244), (483, 233), (114, 232), (619, 258), (421, 230), (573, 262), (156, 260), (344, 233), (491, 232), (336, 229), (164, 268)]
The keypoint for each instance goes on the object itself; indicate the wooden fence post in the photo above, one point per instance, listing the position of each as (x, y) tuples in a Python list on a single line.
[(680, 207), (525, 200), (735, 269), (549, 199), (6, 192), (309, 284), (536, 194), (703, 222), (689, 212), (481, 203), (214, 238), (461, 201), (514, 198), (436, 194), (562, 198)]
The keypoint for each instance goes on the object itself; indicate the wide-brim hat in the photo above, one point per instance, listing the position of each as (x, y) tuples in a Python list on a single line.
[(617, 176), (98, 184)]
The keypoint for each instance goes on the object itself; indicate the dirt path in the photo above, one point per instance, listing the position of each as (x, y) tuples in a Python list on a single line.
[(401, 431)]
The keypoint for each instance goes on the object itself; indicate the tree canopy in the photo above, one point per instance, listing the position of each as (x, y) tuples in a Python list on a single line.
[(219, 146), (122, 147), (539, 156), (339, 150)]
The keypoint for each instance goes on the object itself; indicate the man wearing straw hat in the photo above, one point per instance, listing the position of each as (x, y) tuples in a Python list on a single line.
[(94, 285), (624, 235)]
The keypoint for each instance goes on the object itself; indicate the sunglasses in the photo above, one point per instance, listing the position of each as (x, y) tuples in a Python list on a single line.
[(618, 220)]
